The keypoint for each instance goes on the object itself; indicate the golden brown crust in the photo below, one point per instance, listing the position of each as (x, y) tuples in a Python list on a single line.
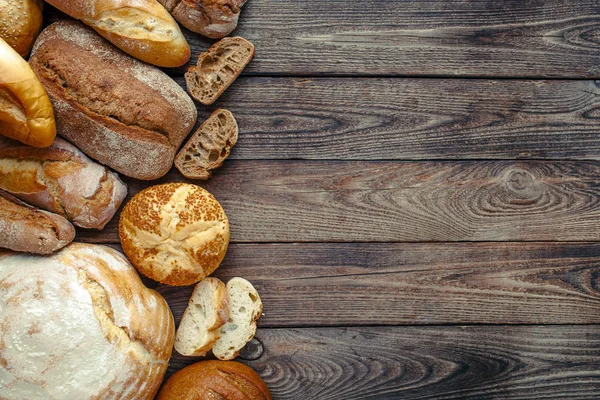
[(213, 380), (20, 23)]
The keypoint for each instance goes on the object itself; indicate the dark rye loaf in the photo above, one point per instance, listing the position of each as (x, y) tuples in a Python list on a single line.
[(126, 114)]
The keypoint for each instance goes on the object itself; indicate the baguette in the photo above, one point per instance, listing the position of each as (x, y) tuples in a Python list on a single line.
[(20, 23), (206, 312), (217, 68), (209, 146), (62, 180), (27, 229), (141, 28), (126, 114)]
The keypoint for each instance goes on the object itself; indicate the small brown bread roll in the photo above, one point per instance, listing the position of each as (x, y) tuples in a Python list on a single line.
[(25, 110), (209, 146), (27, 229), (80, 324), (142, 29), (62, 180), (174, 233), (126, 114), (20, 23), (213, 18), (207, 380), (217, 68)]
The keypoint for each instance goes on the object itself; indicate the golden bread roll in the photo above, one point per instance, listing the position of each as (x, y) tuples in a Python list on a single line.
[(26, 113), (215, 380), (141, 28), (176, 233), (20, 23)]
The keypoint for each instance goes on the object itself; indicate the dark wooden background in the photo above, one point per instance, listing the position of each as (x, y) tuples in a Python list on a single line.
[(416, 196)]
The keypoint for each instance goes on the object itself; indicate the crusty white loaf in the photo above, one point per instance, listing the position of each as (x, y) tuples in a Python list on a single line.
[(80, 325)]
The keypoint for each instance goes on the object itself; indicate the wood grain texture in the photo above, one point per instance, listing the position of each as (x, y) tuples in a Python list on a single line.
[(415, 283), (385, 363), (311, 201), (413, 119)]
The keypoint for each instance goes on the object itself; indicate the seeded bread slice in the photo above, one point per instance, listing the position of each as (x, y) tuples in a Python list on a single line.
[(209, 146), (206, 312), (217, 68), (245, 309)]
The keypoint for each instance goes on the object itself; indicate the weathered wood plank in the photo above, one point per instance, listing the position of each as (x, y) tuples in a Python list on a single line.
[(413, 119), (310, 201), (476, 362), (552, 38), (415, 284)]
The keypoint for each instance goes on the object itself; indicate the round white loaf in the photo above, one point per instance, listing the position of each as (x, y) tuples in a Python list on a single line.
[(80, 325)]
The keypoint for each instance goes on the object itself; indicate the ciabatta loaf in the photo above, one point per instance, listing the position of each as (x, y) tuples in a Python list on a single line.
[(245, 308), (217, 68), (209, 146), (206, 312)]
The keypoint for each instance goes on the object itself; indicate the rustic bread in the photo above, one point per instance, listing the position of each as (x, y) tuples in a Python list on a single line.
[(245, 308), (142, 29), (126, 114), (217, 68), (25, 228), (227, 380), (80, 325), (213, 18), (25, 110), (174, 233), (209, 146), (62, 180), (206, 312), (20, 23)]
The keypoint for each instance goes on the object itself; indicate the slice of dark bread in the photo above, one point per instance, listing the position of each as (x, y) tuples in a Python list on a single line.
[(217, 68), (209, 146)]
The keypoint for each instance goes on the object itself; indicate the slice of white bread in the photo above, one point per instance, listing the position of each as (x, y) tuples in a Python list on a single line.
[(245, 308), (217, 68), (205, 314), (209, 146)]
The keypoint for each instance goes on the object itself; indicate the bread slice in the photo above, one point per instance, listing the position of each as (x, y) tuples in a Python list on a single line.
[(245, 309), (209, 146), (206, 312), (217, 68)]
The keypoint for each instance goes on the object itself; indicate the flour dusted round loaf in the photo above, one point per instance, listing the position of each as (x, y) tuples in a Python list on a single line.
[(80, 325), (176, 233), (208, 380)]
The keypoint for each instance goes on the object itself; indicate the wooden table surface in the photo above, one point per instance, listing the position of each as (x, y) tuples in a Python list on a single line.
[(416, 196)]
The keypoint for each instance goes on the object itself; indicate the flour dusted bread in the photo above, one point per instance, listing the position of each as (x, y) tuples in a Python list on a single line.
[(126, 114), (209, 146), (175, 233), (245, 308), (206, 312), (80, 325), (217, 68), (20, 23), (25, 228)]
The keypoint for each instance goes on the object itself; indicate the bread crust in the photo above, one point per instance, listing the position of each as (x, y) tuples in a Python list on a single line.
[(126, 114), (143, 29), (215, 380), (20, 23)]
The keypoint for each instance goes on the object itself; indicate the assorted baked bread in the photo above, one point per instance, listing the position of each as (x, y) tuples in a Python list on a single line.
[(212, 18), (217, 68), (80, 324), (25, 110), (20, 23), (215, 379), (175, 233), (142, 29), (126, 114), (209, 146)]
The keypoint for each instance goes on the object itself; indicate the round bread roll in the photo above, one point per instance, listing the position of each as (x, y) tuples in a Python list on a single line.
[(176, 233), (215, 380), (80, 325), (20, 23), (26, 113)]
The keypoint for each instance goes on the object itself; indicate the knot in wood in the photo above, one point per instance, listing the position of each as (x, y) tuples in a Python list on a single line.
[(521, 184), (253, 350)]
